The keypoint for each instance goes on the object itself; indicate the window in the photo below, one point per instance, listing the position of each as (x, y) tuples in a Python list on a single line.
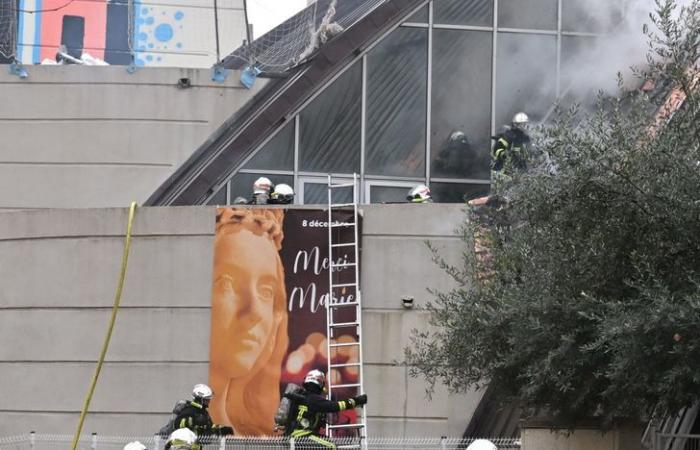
[(579, 15), (396, 104), (278, 153), (420, 16), (530, 14), (457, 193), (388, 191), (314, 191), (463, 12), (526, 75), (330, 127), (461, 108), (219, 198)]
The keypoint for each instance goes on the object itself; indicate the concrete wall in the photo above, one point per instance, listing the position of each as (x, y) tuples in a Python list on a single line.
[(545, 438), (59, 270), (75, 137)]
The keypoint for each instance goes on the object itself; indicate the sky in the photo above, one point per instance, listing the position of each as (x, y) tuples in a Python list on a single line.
[(266, 14)]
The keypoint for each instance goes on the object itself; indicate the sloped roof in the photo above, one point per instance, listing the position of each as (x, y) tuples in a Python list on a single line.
[(211, 164)]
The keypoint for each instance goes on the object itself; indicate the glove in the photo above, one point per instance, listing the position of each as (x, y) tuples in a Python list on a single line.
[(361, 399), (225, 431)]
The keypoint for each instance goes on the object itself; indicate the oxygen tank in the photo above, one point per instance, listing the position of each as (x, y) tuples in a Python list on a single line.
[(282, 415)]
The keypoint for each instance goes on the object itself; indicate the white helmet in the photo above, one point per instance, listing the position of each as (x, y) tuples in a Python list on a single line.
[(181, 439), (202, 392), (316, 377), (419, 194), (482, 444), (520, 119), (283, 193), (262, 186), (136, 445)]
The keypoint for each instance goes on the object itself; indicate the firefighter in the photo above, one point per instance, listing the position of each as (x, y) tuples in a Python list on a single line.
[(512, 147), (419, 194), (283, 194), (261, 191), (194, 415), (182, 439), (310, 409)]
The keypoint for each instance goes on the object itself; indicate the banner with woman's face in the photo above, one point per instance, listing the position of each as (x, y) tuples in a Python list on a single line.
[(268, 317)]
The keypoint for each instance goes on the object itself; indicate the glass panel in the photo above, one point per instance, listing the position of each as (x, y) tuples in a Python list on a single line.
[(388, 194), (533, 14), (278, 153), (420, 16), (330, 127), (463, 12), (219, 198), (397, 80), (242, 184), (461, 109), (317, 193), (577, 85), (579, 15), (457, 193), (526, 76)]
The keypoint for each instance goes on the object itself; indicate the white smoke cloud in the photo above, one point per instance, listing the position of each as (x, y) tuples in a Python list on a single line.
[(595, 64)]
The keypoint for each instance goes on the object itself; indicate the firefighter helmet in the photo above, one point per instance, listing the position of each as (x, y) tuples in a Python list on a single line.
[(181, 439), (202, 394), (419, 194), (520, 119), (136, 445), (482, 444), (283, 194), (262, 186), (315, 377)]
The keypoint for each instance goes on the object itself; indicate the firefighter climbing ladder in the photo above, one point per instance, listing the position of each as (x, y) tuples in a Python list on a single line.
[(340, 244)]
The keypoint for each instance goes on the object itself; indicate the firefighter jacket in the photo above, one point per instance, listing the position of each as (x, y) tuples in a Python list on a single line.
[(512, 149), (196, 417)]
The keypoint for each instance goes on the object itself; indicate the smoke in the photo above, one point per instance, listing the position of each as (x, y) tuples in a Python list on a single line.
[(591, 64)]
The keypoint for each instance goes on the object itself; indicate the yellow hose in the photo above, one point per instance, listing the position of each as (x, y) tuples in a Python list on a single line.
[(115, 308)]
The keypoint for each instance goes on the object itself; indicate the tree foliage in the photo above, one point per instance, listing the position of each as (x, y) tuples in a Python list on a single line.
[(593, 306)]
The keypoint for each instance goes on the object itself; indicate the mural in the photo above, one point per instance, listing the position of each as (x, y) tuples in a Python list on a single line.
[(268, 316), (180, 33)]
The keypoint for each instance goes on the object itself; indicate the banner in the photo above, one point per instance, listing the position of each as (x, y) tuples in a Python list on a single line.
[(268, 316)]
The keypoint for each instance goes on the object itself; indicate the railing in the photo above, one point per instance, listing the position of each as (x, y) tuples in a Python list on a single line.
[(35, 441)]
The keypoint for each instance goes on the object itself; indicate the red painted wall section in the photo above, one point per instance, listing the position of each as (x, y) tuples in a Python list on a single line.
[(95, 15)]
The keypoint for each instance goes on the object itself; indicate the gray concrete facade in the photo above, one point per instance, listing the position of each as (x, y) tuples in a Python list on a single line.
[(79, 137), (59, 270)]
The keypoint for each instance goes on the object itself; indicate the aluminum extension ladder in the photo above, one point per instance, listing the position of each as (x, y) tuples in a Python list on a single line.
[(337, 326)]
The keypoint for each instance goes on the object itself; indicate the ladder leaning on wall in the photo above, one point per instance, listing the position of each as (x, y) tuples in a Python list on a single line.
[(344, 316)]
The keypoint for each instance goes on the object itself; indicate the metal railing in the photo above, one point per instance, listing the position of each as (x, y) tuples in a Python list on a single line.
[(35, 441)]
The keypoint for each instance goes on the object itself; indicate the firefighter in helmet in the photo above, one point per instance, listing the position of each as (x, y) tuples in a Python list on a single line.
[(194, 415), (512, 147), (311, 406)]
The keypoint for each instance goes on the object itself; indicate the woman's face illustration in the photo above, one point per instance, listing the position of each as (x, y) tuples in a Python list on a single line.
[(245, 287)]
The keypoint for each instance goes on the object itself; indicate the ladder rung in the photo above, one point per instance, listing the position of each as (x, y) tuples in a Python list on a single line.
[(338, 304), (349, 385), (349, 244), (344, 324), (341, 205), (343, 224), (339, 366), (347, 425), (345, 344), (343, 265), (341, 285), (341, 185)]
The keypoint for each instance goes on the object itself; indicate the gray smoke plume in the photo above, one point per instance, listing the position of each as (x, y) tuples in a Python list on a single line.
[(592, 64)]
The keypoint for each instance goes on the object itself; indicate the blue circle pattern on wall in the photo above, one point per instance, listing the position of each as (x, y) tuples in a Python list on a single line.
[(153, 32)]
